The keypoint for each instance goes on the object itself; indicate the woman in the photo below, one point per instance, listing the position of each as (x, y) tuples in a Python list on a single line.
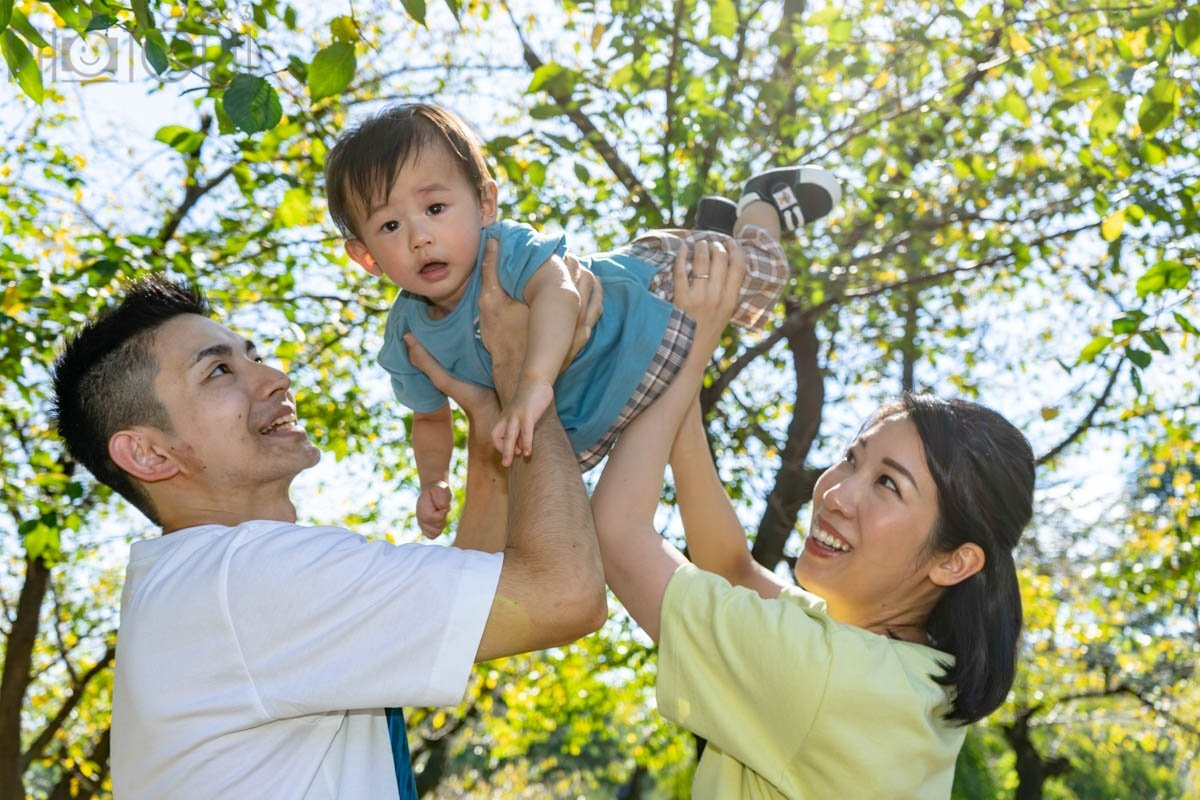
[(861, 684)]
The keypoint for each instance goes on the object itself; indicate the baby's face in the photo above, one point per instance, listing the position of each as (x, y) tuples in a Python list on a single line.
[(425, 235)]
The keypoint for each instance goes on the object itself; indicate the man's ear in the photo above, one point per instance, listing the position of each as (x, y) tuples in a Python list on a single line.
[(143, 454), (488, 203), (362, 256), (955, 567)]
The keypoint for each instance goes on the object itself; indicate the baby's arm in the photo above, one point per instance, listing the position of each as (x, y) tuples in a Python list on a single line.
[(553, 304), (433, 444)]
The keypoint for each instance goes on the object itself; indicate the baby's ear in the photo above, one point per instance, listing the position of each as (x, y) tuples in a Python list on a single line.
[(488, 203), (362, 256)]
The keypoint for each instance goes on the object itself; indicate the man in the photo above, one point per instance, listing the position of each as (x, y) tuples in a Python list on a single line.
[(256, 656)]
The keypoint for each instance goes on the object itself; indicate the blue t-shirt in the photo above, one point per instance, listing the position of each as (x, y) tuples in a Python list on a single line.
[(591, 392)]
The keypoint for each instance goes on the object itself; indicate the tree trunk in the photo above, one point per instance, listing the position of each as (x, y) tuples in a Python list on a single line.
[(793, 483), (18, 658), (1032, 769)]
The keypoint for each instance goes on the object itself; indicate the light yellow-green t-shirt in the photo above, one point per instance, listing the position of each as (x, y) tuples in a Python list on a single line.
[(795, 705)]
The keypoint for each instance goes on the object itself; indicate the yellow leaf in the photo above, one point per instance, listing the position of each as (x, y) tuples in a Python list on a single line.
[(1018, 43), (1049, 412), (1111, 228), (880, 80)]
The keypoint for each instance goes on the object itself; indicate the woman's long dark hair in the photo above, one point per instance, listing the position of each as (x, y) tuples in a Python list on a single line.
[(984, 471)]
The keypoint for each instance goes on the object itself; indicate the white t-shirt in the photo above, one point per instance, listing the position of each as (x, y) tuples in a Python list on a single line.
[(256, 661)]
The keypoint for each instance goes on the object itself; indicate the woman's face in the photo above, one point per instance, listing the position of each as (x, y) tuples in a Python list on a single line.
[(873, 513)]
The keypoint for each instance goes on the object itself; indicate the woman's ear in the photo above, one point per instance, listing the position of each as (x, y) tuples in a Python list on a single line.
[(958, 565), (139, 452)]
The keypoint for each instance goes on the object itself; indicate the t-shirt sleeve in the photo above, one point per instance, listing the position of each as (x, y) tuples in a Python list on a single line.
[(745, 673), (412, 388), (329, 621), (522, 251)]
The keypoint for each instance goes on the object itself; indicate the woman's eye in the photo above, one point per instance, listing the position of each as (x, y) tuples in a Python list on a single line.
[(888, 483), (849, 457)]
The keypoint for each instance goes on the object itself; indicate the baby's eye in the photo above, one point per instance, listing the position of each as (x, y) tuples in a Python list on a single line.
[(437, 208), (390, 226)]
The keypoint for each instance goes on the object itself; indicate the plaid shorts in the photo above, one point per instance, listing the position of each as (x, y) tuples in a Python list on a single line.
[(672, 353), (766, 268)]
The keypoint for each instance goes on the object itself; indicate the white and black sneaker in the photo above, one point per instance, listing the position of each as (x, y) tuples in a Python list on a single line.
[(714, 213), (800, 194)]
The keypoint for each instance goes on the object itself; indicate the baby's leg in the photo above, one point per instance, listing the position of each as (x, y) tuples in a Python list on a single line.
[(766, 267)]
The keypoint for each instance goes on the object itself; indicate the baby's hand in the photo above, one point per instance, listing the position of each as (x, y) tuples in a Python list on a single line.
[(432, 507), (513, 434)]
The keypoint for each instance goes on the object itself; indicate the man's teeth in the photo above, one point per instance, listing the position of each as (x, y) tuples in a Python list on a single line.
[(286, 419), (827, 540)]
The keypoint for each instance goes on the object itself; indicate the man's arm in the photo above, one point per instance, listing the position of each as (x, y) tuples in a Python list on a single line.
[(639, 563), (551, 587), (554, 306)]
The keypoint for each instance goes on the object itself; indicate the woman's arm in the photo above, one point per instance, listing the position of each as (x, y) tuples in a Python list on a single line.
[(638, 563), (715, 538)]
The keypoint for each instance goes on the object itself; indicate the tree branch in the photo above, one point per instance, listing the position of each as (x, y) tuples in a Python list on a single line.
[(638, 194), (1086, 422), (38, 746)]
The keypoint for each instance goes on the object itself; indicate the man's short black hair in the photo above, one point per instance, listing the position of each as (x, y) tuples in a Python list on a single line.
[(104, 377)]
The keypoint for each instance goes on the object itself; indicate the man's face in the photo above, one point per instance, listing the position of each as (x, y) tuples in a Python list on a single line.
[(234, 418)]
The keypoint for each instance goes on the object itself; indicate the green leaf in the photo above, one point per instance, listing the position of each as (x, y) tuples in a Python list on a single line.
[(343, 29), (185, 140), (1139, 357), (1155, 341), (841, 31), (416, 10), (43, 542), (556, 79), (825, 16), (20, 23), (1014, 104), (1187, 32), (296, 207), (1166, 274), (6, 12), (252, 104), (722, 19), (155, 48), (141, 13), (1041, 81), (23, 66), (1084, 88), (1148, 15), (1106, 117), (1136, 376), (101, 22), (331, 70), (1094, 348), (1128, 323), (1158, 106), (1186, 324)]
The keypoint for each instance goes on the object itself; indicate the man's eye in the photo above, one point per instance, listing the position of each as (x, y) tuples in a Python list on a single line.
[(219, 369)]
